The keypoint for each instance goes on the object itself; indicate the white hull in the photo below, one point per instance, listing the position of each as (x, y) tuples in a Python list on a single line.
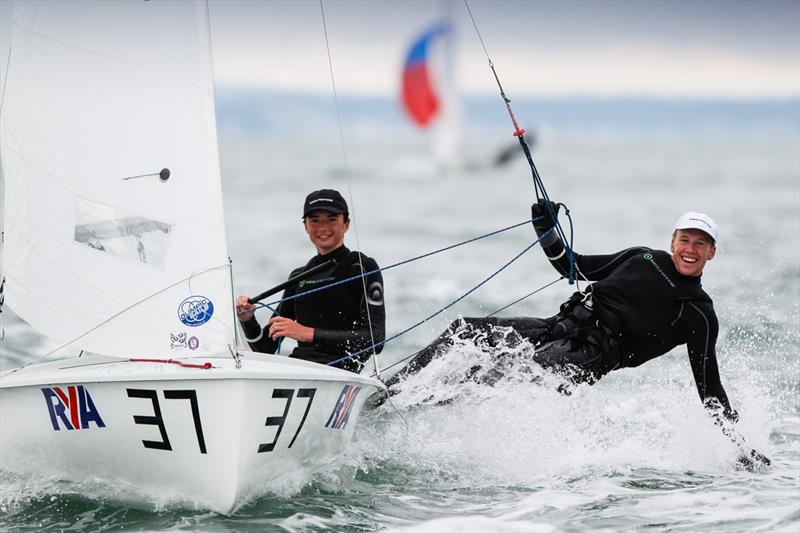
[(214, 437)]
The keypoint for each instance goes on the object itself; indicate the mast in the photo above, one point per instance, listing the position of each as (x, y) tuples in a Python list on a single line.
[(5, 63)]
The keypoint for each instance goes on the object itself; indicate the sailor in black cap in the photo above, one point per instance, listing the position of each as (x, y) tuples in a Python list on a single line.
[(332, 323)]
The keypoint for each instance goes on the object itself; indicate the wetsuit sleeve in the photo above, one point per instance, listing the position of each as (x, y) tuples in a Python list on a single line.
[(257, 337), (369, 325), (593, 267), (701, 330)]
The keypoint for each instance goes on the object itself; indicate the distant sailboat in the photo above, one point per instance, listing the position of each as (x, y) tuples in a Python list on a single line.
[(429, 93), (96, 94), (433, 102), (419, 94)]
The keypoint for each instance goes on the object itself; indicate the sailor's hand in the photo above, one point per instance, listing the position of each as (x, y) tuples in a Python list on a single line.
[(542, 213), (280, 326), (244, 309), (753, 461)]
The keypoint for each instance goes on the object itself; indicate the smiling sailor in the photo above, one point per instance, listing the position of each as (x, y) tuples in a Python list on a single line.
[(642, 304), (332, 323)]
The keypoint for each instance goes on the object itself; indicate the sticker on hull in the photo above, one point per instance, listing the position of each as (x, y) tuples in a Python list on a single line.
[(72, 408), (341, 411)]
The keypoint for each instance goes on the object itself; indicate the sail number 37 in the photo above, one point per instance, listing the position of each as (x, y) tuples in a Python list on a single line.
[(157, 419)]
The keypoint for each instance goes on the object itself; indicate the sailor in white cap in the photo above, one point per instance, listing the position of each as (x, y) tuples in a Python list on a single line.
[(694, 243), (642, 303)]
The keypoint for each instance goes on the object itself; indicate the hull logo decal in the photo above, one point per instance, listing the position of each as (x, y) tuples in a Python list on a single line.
[(71, 409), (341, 411)]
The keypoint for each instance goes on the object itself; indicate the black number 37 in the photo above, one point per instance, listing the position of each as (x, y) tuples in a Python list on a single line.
[(279, 421)]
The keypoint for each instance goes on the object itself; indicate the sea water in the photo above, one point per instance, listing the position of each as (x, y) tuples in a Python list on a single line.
[(634, 452)]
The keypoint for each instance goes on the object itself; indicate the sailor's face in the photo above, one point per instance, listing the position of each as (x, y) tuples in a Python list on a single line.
[(691, 250), (326, 230)]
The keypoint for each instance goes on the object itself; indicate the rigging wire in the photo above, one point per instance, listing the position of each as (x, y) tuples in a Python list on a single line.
[(376, 368), (2, 299), (446, 307), (399, 263), (404, 359), (538, 188), (5, 81), (269, 305), (350, 194), (518, 300), (538, 185), (2, 194), (112, 317), (213, 83)]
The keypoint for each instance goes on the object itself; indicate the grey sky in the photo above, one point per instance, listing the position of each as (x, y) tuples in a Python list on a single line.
[(728, 49)]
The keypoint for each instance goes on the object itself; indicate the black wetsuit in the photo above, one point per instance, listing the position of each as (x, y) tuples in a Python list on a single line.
[(338, 315), (640, 307)]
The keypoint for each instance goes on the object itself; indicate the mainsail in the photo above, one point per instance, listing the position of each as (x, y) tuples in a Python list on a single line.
[(120, 266)]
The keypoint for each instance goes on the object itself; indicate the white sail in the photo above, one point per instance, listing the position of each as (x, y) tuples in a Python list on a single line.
[(96, 92), (430, 93), (446, 131)]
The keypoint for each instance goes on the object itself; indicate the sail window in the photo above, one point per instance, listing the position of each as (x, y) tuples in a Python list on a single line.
[(121, 234)]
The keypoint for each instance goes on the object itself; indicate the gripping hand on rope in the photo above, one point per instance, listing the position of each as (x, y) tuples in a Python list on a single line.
[(542, 213)]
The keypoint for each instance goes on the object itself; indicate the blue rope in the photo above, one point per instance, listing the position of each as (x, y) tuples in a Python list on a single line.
[(365, 274), (443, 309), (570, 255), (538, 185)]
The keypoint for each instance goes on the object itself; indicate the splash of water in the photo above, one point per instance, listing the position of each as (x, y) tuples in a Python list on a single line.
[(468, 427)]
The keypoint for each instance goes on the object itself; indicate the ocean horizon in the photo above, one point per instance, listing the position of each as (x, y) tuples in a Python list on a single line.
[(273, 113)]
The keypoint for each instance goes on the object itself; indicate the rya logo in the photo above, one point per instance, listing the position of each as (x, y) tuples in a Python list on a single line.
[(195, 310), (341, 411), (77, 401)]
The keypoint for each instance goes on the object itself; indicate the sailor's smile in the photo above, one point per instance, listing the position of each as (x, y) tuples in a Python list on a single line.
[(691, 250), (326, 230)]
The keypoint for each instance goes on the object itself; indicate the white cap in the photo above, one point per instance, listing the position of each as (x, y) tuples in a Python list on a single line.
[(701, 221)]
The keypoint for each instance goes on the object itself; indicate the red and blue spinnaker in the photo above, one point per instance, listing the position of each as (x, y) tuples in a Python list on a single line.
[(419, 96)]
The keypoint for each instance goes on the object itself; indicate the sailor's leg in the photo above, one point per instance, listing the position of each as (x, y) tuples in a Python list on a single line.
[(580, 360), (463, 328), (532, 329), (468, 328)]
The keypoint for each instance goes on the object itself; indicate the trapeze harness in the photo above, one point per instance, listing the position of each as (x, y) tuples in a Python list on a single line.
[(337, 314)]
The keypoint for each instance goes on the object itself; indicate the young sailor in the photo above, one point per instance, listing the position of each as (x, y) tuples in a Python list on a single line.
[(642, 304), (332, 323)]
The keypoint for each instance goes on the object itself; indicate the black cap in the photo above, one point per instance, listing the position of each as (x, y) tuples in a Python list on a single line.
[(325, 200)]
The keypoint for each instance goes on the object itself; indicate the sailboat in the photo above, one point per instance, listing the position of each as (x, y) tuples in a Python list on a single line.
[(114, 244), (433, 102), (428, 90)]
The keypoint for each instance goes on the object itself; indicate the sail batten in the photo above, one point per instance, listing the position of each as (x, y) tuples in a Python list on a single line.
[(125, 266)]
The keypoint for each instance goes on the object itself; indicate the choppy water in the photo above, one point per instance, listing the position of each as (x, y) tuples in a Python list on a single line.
[(634, 452)]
